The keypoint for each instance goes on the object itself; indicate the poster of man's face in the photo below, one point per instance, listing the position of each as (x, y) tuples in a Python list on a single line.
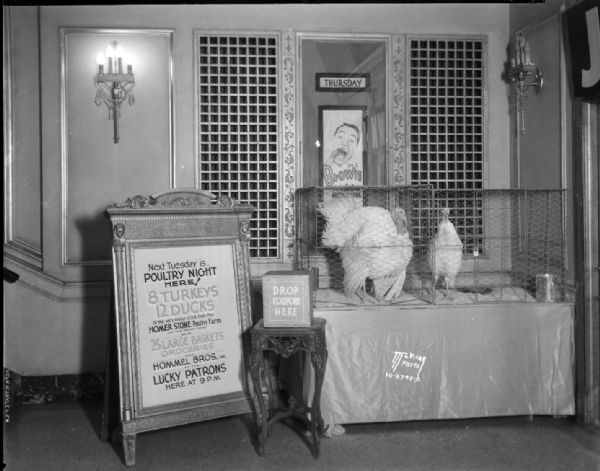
[(343, 149)]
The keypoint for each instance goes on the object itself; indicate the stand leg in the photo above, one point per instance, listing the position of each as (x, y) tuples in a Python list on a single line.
[(105, 427), (110, 417), (319, 360), (270, 381), (256, 361), (129, 449)]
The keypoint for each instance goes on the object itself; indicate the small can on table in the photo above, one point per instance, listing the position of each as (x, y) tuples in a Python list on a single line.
[(544, 288)]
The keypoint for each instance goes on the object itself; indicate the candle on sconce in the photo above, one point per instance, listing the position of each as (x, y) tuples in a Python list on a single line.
[(127, 62), (512, 62), (100, 61), (119, 54), (109, 55), (517, 52), (527, 52), (522, 49)]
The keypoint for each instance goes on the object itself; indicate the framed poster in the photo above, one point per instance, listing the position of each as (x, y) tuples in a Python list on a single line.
[(188, 343), (342, 134), (182, 299)]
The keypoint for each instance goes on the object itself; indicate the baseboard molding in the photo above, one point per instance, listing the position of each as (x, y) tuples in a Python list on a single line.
[(56, 388)]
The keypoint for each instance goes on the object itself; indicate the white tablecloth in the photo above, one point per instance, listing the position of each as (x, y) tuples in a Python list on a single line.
[(440, 362)]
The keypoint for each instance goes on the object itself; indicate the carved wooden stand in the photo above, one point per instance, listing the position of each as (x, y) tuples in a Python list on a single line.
[(196, 221), (285, 341)]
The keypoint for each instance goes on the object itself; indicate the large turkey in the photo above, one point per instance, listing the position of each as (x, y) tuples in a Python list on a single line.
[(373, 243)]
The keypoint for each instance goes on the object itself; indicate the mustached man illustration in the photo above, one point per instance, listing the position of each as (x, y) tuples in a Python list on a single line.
[(343, 165)]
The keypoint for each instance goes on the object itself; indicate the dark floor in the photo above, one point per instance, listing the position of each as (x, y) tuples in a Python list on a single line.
[(65, 436)]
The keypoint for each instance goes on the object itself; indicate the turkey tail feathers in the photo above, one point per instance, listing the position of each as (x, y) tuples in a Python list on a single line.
[(339, 227), (335, 208)]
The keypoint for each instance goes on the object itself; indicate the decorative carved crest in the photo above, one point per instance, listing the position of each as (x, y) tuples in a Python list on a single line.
[(226, 202), (179, 198), (119, 231), (119, 237), (245, 230), (183, 201), (137, 202)]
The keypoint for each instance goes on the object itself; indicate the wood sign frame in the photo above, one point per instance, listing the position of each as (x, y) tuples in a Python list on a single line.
[(182, 302)]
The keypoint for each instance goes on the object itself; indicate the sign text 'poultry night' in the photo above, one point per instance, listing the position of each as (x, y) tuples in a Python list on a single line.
[(189, 342)]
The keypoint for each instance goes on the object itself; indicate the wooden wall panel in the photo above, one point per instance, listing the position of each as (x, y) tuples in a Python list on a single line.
[(540, 157), (96, 171), (22, 187)]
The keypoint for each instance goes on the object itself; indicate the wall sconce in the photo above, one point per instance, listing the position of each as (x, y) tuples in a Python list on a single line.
[(113, 84), (524, 73)]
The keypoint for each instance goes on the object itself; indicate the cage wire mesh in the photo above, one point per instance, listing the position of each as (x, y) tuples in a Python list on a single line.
[(391, 245)]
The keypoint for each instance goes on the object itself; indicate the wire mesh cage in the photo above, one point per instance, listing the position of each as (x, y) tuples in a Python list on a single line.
[(420, 245)]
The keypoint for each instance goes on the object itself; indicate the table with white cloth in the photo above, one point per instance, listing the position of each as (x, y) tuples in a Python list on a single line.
[(447, 361)]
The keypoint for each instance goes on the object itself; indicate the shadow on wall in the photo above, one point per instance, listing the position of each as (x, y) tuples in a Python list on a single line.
[(96, 242), (97, 307), (98, 334)]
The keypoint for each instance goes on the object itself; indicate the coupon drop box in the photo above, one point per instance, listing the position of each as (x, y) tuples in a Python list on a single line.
[(287, 298)]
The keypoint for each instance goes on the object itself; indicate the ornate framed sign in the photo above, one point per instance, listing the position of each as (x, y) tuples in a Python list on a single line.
[(342, 134), (181, 273)]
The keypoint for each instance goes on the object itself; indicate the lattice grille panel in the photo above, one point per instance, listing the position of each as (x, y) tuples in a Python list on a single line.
[(446, 113), (238, 135)]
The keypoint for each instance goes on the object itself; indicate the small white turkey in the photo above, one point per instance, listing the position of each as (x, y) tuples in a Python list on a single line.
[(445, 253)]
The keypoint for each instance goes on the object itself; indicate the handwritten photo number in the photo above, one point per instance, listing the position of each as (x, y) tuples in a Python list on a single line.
[(189, 340)]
